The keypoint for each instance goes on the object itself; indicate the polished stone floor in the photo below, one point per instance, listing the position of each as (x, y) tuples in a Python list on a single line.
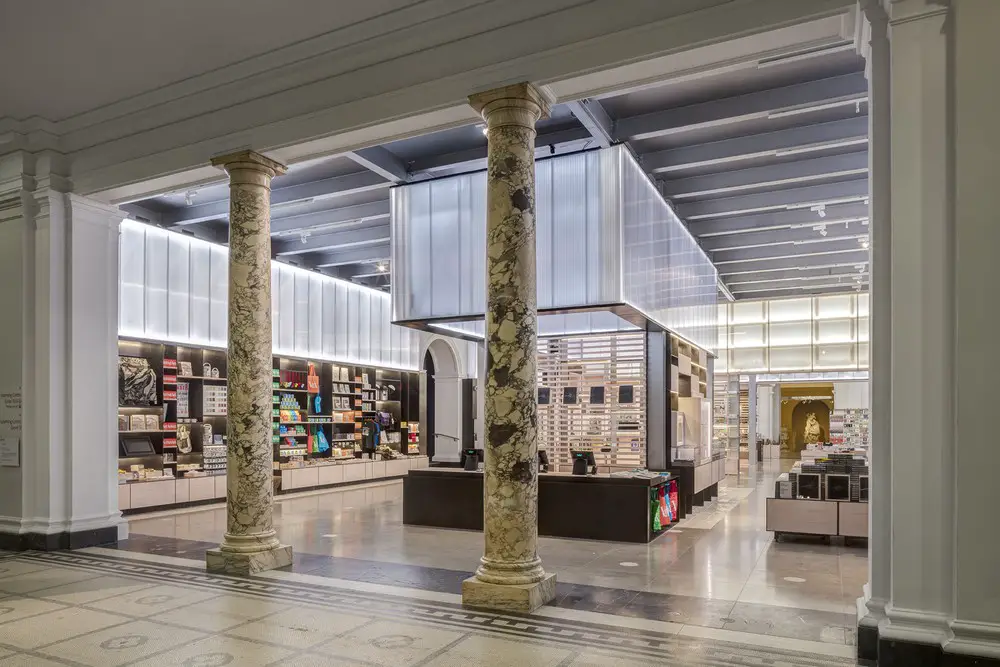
[(718, 574), (101, 607)]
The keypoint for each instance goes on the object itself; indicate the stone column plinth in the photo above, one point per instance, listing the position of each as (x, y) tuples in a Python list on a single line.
[(250, 544), (510, 574)]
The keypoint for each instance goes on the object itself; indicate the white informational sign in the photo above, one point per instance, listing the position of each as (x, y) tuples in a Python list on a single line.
[(10, 452), (10, 428)]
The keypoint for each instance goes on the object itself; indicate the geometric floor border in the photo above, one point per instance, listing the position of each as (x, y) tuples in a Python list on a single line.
[(617, 641)]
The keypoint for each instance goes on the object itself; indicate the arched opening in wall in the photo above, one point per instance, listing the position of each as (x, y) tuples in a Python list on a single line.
[(429, 421), (444, 403)]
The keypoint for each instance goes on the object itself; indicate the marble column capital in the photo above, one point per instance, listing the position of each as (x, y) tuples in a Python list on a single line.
[(519, 104), (249, 167)]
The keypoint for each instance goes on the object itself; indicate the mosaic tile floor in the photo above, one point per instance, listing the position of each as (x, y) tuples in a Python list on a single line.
[(111, 608)]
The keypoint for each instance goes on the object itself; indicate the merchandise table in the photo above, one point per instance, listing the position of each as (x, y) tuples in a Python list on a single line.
[(589, 507)]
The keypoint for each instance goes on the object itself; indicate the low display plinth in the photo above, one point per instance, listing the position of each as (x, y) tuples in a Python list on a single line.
[(697, 483), (830, 518), (615, 509)]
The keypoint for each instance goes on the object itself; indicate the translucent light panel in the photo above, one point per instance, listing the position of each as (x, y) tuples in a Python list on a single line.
[(796, 335), (175, 288), (604, 236)]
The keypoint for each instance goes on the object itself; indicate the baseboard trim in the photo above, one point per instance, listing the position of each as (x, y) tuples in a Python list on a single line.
[(80, 539), (903, 653)]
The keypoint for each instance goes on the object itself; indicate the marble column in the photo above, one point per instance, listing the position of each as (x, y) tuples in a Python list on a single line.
[(250, 544), (510, 574)]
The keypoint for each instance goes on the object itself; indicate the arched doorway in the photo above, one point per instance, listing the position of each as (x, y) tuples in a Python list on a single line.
[(444, 402)]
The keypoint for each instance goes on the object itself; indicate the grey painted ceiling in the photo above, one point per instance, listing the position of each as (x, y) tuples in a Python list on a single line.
[(768, 167)]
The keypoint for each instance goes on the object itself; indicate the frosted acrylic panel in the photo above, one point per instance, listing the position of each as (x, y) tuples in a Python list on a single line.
[(219, 291), (201, 291), (790, 358), (788, 310), (835, 331), (341, 338), (313, 316), (156, 284), (863, 304), (790, 333), (835, 356), (329, 301), (749, 359), (178, 286), (314, 308), (863, 328), (665, 273), (284, 294), (132, 280), (743, 312), (863, 355), (439, 241), (748, 335), (837, 305)]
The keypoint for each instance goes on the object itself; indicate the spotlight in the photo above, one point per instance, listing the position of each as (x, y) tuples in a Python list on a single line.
[(381, 267), (485, 130), (189, 197), (819, 209), (865, 243)]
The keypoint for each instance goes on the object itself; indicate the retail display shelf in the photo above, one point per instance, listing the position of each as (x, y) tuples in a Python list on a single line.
[(294, 391), (200, 377)]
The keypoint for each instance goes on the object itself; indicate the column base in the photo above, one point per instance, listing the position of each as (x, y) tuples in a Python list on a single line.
[(523, 598), (234, 562)]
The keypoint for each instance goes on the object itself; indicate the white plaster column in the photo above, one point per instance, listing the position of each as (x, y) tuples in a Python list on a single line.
[(976, 63), (922, 342), (871, 606), (250, 544), (60, 299), (510, 574)]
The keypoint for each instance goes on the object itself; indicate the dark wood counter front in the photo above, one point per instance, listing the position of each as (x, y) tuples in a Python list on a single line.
[(587, 507)]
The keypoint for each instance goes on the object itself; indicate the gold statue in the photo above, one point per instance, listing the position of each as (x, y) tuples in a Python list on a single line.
[(813, 431)]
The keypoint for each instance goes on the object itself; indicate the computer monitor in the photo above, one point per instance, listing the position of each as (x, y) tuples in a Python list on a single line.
[(809, 486), (584, 462), (136, 445), (471, 458)]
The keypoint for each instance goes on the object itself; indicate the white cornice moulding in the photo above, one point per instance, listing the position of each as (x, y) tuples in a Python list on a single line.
[(375, 82)]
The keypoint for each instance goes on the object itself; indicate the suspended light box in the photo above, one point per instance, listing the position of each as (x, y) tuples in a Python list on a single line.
[(611, 254)]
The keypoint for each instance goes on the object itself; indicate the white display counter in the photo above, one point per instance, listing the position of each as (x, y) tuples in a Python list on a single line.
[(164, 492)]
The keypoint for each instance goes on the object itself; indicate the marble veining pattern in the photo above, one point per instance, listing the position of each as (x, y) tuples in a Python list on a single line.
[(249, 525), (511, 503)]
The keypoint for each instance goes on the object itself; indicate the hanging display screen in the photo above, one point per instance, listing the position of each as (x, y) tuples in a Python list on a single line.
[(569, 395), (544, 395), (596, 395), (626, 394)]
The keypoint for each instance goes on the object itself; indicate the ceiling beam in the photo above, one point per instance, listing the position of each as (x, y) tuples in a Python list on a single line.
[(782, 236), (328, 188), (381, 253), (770, 176), (592, 116), (834, 214), (806, 196), (799, 99), (330, 219), (798, 283), (801, 249), (802, 273), (733, 270), (470, 157), (381, 161), (796, 140), (816, 290), (350, 238)]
